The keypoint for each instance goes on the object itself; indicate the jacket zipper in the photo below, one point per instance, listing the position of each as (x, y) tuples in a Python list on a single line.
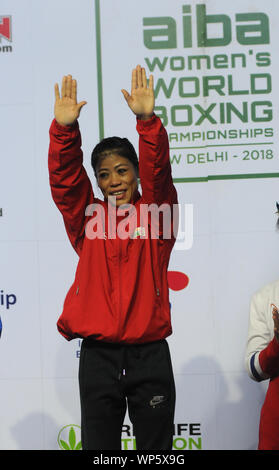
[(119, 286)]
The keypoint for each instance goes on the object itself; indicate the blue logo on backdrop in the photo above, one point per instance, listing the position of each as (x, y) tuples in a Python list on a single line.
[(6, 301)]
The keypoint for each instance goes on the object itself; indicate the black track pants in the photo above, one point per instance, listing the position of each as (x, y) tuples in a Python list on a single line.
[(114, 376)]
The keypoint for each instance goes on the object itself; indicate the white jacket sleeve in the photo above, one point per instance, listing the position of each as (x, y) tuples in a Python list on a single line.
[(260, 333)]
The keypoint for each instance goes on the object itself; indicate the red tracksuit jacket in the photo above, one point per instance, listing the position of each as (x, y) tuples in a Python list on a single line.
[(120, 290)]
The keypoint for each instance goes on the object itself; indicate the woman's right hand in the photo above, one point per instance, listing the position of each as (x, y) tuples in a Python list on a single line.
[(66, 109)]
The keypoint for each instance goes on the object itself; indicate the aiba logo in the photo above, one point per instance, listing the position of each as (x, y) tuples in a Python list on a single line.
[(5, 33)]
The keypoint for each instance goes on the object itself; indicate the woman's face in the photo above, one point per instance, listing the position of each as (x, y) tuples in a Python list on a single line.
[(116, 176)]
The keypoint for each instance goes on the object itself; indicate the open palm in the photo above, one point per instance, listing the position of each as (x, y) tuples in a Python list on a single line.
[(66, 108), (141, 100)]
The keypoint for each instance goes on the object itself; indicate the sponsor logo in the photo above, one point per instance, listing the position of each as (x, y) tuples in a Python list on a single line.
[(6, 301), (5, 33), (157, 400), (177, 280), (139, 232), (207, 96), (251, 28), (187, 436), (69, 437)]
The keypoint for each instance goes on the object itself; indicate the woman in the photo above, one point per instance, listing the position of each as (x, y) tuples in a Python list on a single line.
[(118, 302)]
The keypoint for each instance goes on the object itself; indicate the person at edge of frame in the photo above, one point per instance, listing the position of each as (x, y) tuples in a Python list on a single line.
[(262, 358), (119, 300)]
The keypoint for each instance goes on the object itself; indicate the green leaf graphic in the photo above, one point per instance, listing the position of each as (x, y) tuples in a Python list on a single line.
[(64, 445), (72, 438), (71, 443)]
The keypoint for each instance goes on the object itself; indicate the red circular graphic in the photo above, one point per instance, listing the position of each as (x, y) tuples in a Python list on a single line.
[(177, 280)]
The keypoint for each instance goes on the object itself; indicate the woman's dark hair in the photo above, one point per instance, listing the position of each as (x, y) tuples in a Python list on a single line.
[(117, 145)]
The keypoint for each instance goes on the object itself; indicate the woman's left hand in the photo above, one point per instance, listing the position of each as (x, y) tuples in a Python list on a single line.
[(141, 100)]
